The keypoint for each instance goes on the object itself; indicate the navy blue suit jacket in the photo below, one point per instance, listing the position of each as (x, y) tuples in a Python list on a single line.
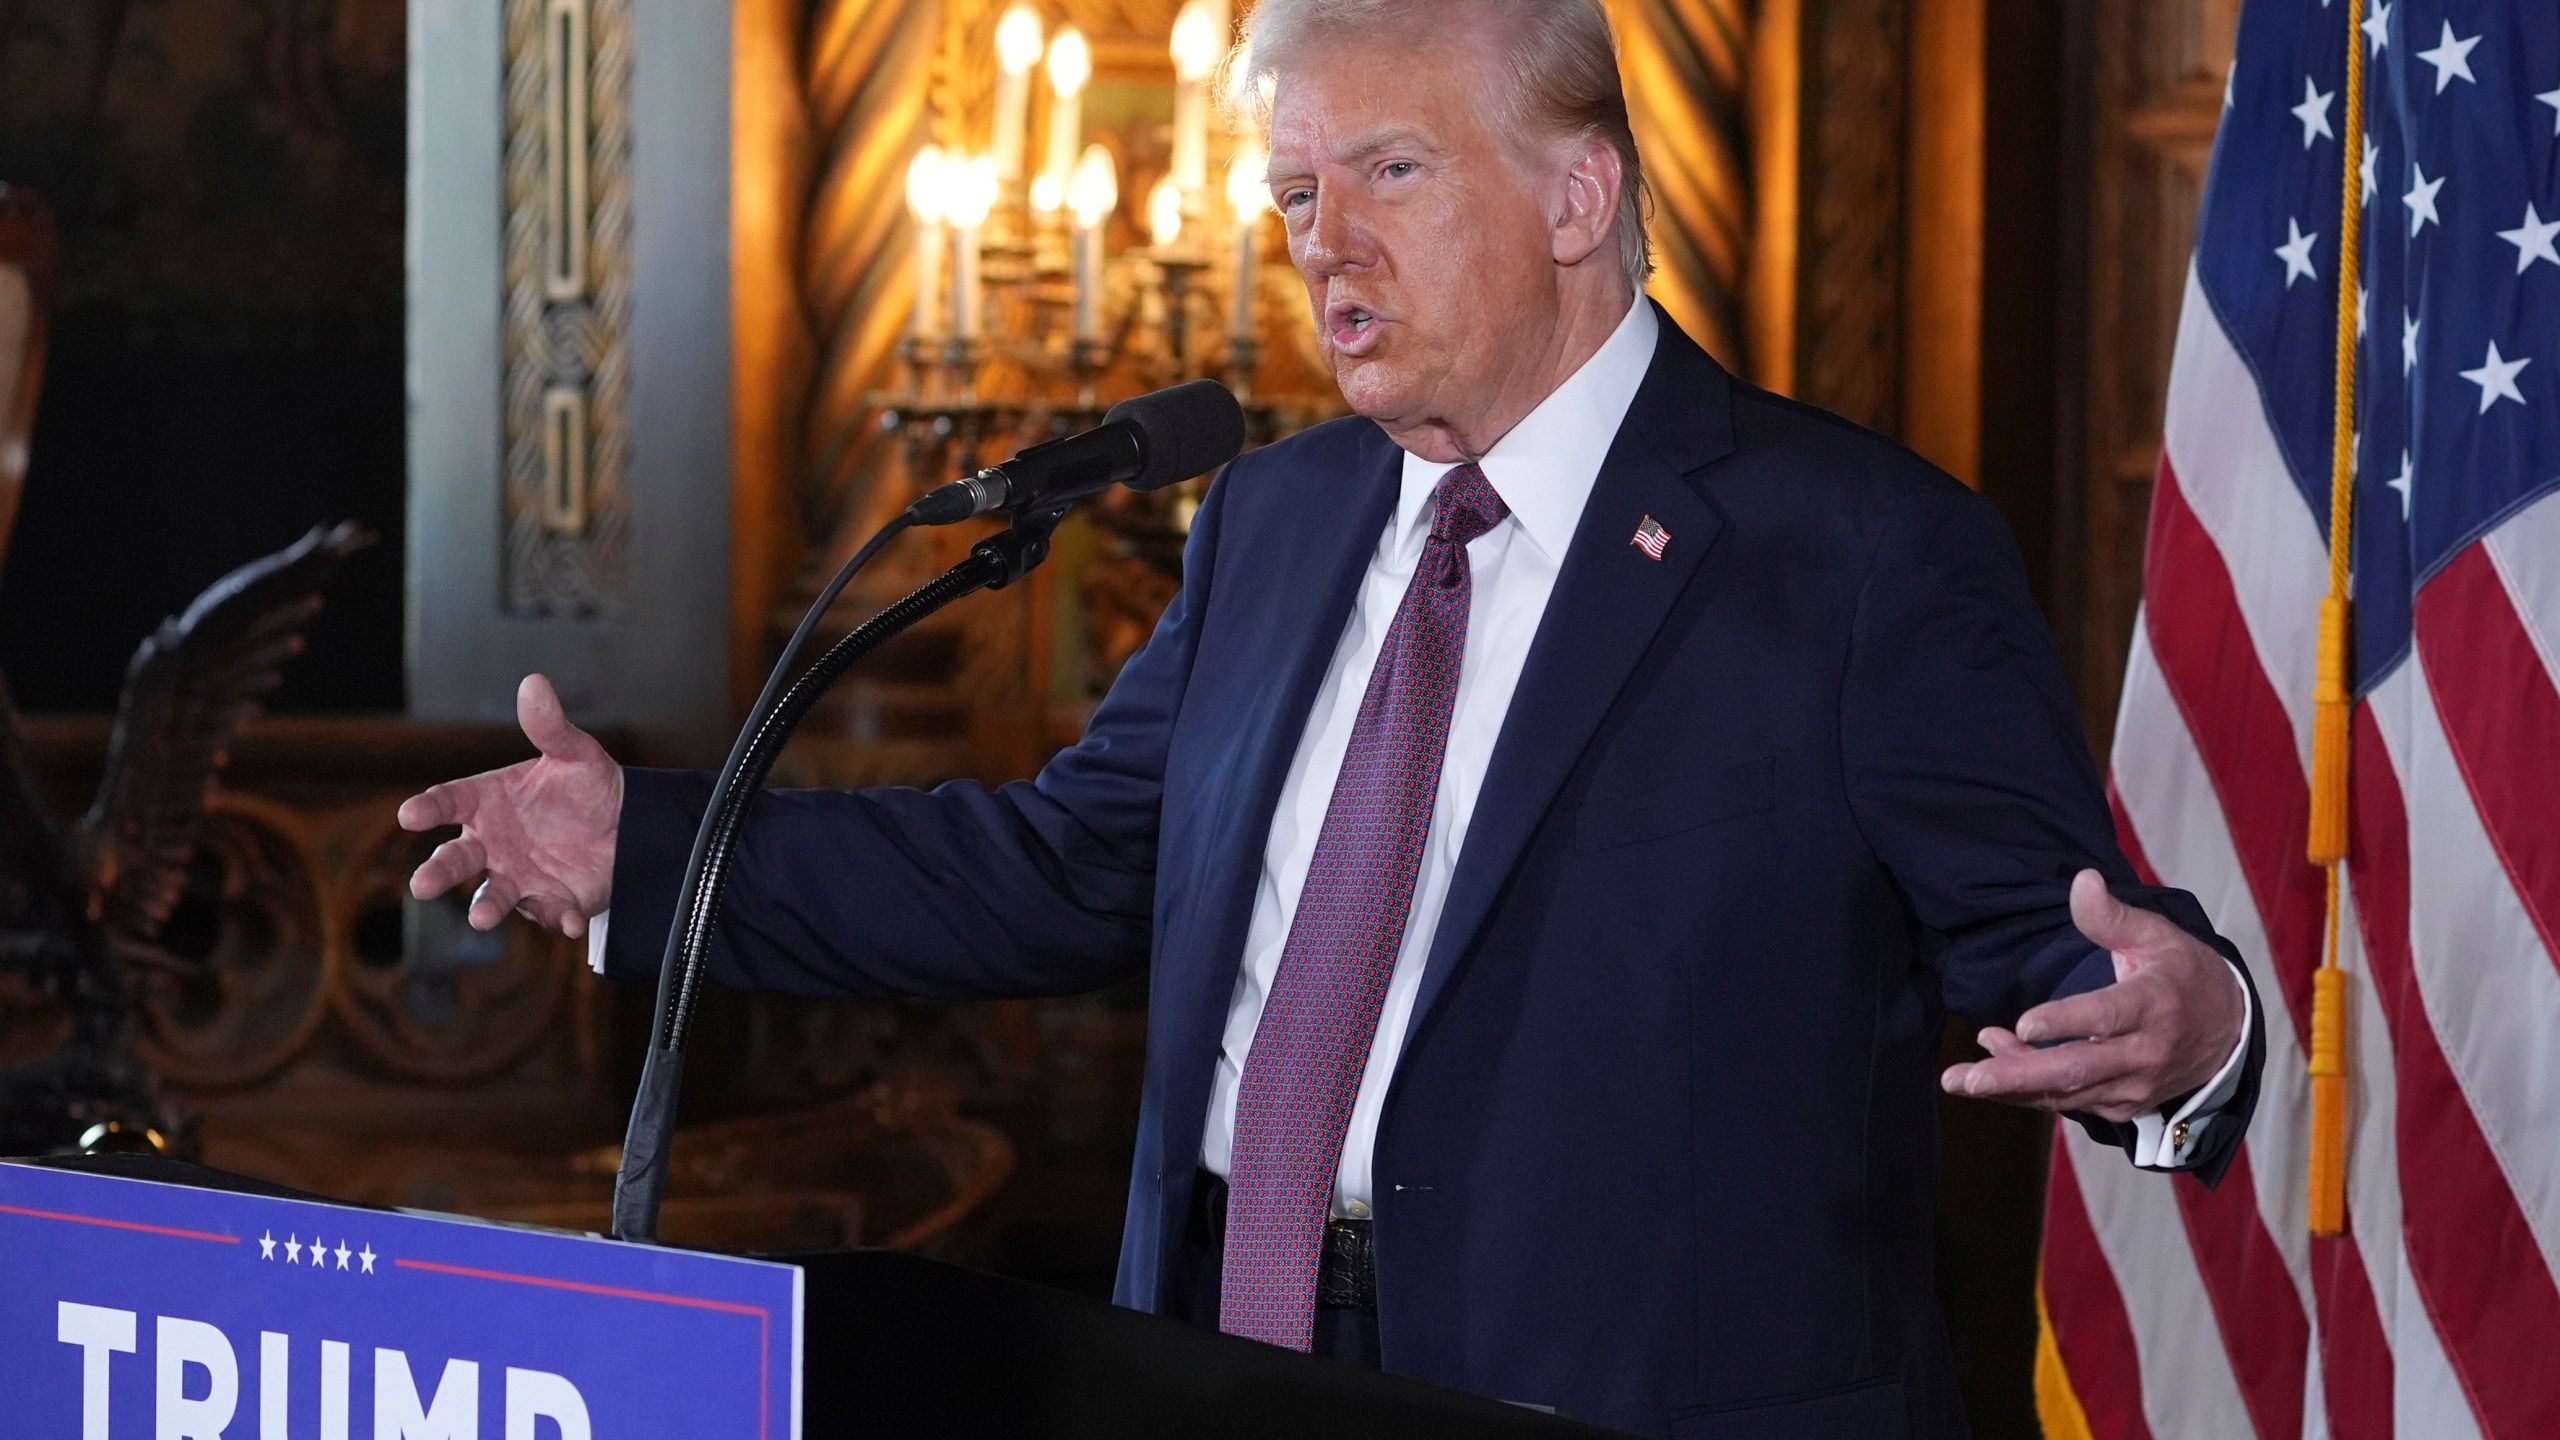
[(1661, 1147)]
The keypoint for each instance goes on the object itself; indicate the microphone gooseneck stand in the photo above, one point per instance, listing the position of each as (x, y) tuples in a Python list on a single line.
[(992, 564)]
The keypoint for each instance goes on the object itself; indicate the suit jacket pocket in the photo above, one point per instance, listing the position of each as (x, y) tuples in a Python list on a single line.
[(1870, 1410), (1678, 803)]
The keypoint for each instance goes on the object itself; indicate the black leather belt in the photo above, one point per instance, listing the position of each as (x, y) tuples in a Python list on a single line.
[(1346, 1269)]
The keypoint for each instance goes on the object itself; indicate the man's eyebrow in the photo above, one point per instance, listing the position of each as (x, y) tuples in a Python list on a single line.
[(1362, 148), (1393, 137)]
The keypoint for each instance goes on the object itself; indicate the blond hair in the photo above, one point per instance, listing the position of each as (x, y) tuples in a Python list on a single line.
[(1563, 64)]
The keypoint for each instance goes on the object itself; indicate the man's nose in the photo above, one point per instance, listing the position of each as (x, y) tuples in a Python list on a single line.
[(1335, 238)]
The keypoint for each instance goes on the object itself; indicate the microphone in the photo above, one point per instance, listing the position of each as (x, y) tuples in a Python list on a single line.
[(1147, 443)]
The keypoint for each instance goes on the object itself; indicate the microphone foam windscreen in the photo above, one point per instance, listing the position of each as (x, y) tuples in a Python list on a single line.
[(1187, 430)]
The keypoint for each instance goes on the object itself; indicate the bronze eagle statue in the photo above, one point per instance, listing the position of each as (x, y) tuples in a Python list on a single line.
[(81, 911)]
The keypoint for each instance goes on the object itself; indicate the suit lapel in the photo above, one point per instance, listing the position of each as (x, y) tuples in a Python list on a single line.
[(1610, 598)]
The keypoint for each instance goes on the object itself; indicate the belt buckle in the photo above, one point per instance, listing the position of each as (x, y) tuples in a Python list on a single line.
[(1346, 1272)]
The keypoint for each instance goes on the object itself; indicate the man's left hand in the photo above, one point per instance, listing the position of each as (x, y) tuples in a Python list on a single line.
[(2161, 1031)]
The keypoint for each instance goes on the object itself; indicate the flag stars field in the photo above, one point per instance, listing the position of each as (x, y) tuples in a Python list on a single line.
[(2377, 26)]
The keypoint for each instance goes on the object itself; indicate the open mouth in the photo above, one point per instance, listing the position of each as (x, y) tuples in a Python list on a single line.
[(1355, 326)]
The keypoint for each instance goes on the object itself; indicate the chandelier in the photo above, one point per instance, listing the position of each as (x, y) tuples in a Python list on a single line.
[(1040, 297)]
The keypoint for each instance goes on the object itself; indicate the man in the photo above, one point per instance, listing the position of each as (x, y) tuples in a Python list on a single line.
[(1554, 813)]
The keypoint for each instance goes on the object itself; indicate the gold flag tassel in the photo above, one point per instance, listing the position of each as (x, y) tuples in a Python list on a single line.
[(2331, 699)]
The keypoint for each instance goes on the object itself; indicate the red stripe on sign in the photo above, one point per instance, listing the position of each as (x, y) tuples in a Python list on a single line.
[(2479, 1273), (118, 1225), (2241, 728), (2090, 1326), (2502, 718), (2355, 1359)]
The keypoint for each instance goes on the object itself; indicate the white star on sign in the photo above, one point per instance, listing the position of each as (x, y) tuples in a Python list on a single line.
[(343, 1253), (2313, 112), (2296, 254), (2532, 239), (2496, 378), (2408, 342), (366, 1255), (2360, 311), (2421, 199), (2364, 171), (2377, 26), (293, 1251), (2451, 57), (2547, 97), (267, 1246), (2400, 483)]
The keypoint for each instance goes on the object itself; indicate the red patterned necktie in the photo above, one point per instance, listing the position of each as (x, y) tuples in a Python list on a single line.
[(1312, 1044)]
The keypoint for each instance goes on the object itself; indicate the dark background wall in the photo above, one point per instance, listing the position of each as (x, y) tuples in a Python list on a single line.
[(226, 179)]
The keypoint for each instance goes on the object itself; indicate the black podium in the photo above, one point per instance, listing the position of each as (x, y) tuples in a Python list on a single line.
[(898, 1345)]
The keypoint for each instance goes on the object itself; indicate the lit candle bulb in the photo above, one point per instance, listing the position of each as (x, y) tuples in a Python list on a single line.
[(1070, 66), (926, 200), (1199, 38), (1164, 213), (1018, 46), (1093, 192), (970, 191), (1249, 193)]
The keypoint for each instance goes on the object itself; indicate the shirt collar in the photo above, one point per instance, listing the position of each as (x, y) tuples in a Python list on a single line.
[(1545, 468)]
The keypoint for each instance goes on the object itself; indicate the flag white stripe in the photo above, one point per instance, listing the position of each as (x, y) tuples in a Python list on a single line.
[(2188, 1385), (2236, 482), (2178, 819), (2489, 989), (2427, 1402), (2526, 551)]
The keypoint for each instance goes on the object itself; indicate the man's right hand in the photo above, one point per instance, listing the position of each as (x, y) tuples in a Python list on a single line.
[(542, 831)]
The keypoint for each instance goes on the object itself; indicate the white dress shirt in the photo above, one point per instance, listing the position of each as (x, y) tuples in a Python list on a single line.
[(1544, 471)]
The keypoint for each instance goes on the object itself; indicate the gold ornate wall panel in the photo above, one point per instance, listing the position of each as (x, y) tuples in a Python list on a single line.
[(1683, 62), (2159, 71), (869, 70), (1850, 165), (568, 304)]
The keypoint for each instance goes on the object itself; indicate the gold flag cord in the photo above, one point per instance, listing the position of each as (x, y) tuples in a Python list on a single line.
[(2327, 842)]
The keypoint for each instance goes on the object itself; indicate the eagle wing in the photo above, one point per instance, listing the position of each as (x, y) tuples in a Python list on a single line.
[(190, 686)]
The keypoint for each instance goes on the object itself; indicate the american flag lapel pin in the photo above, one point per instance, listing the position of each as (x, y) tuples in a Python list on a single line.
[(1651, 538)]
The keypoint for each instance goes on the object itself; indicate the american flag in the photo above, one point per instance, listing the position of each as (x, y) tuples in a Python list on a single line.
[(2171, 1310), (1651, 538)]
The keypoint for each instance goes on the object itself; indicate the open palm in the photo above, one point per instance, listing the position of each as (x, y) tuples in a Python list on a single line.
[(541, 831)]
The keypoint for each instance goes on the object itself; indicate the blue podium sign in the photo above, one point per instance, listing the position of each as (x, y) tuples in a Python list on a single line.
[(136, 1309)]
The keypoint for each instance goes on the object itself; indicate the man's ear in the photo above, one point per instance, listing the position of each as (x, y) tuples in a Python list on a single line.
[(1586, 217)]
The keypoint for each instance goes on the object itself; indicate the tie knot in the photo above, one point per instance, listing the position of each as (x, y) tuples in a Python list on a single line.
[(1465, 506)]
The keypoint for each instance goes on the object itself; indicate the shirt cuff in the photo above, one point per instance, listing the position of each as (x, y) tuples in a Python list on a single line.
[(595, 943), (2165, 1140)]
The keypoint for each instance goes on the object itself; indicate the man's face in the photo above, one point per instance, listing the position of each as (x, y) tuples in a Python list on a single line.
[(1424, 241)]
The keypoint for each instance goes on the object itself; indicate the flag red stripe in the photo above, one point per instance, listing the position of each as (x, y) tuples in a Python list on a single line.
[(2479, 1273), (2355, 1359), (2245, 737), (2263, 1327), (2243, 732), (2502, 718), (2090, 1326)]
